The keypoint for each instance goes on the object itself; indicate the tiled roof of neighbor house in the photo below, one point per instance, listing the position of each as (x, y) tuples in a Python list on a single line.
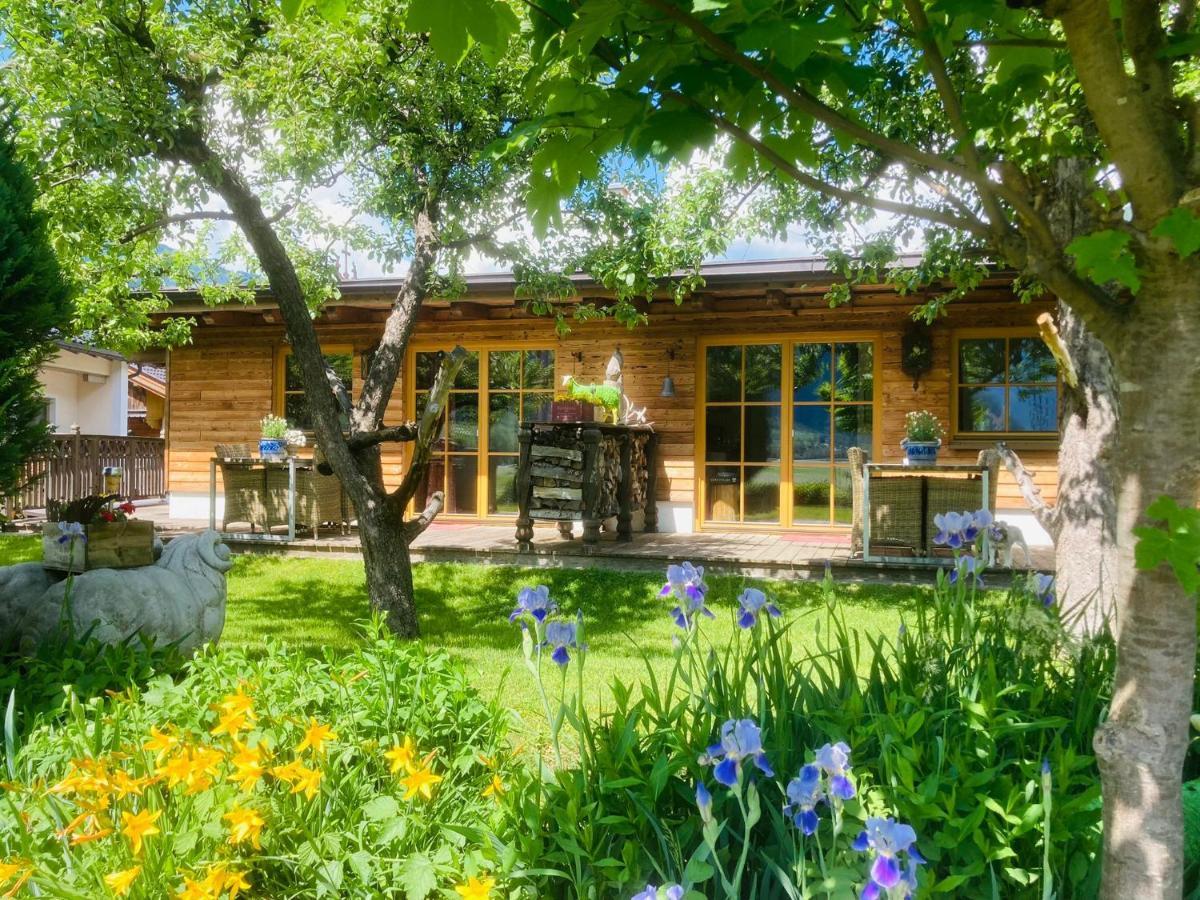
[(98, 352), (148, 376)]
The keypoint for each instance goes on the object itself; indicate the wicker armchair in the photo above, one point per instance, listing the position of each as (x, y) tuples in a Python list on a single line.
[(245, 488), (896, 503), (320, 499)]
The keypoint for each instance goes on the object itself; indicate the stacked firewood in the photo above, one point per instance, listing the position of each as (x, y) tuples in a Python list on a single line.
[(557, 473)]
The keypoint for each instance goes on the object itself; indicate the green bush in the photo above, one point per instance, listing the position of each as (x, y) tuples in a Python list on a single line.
[(373, 774), (949, 724)]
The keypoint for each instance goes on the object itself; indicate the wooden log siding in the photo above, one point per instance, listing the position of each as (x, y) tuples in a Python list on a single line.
[(222, 383)]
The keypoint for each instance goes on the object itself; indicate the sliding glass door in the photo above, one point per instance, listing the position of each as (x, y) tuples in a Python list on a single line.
[(779, 417)]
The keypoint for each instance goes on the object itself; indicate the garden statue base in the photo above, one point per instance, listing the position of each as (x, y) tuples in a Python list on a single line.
[(180, 599)]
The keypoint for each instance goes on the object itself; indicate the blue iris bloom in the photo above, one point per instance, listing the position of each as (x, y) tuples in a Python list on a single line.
[(562, 635), (949, 529), (704, 802), (534, 601), (1044, 588), (740, 740), (834, 760), (804, 793), (685, 581), (753, 602), (673, 892), (966, 565), (71, 531), (888, 839)]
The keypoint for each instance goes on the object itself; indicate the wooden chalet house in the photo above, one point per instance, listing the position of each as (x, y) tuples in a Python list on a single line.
[(751, 437)]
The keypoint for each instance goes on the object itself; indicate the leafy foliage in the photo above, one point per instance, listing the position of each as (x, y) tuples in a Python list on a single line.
[(1105, 256), (35, 305), (948, 722), (290, 773)]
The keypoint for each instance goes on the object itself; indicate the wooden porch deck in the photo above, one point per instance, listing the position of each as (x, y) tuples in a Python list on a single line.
[(793, 555)]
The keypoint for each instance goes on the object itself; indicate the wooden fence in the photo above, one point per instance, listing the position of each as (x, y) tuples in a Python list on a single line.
[(71, 469)]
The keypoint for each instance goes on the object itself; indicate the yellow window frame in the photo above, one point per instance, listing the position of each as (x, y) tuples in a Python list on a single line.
[(279, 395)]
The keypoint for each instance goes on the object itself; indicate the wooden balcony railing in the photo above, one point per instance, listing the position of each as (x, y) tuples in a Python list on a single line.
[(73, 466)]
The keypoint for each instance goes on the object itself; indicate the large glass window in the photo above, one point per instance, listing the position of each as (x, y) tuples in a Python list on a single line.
[(294, 406), (476, 455), (1006, 385), (743, 432), (762, 401)]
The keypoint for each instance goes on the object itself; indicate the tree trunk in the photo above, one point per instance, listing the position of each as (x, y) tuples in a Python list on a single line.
[(1141, 748), (1085, 516), (388, 566)]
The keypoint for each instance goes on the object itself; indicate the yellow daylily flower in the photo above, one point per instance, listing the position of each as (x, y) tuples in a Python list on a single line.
[(247, 766), (120, 882), (232, 724), (234, 883), (476, 888), (161, 743), (420, 781), (194, 767), (401, 756), (238, 703), (300, 777), (9, 869), (316, 736), (198, 890), (138, 826), (245, 825), (495, 789)]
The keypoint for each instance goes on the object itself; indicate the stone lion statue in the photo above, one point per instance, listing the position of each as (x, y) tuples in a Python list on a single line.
[(179, 599)]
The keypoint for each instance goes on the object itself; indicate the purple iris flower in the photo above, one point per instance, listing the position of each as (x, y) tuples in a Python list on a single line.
[(686, 582), (949, 529), (978, 521), (1044, 587), (804, 793), (740, 740), (674, 892), (71, 531), (704, 802), (966, 565), (888, 839), (753, 602), (534, 601), (834, 759), (562, 635)]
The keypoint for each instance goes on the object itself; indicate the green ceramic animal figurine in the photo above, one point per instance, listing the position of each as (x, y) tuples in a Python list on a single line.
[(606, 396)]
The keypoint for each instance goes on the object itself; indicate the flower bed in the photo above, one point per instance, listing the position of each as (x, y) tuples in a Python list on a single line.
[(375, 773)]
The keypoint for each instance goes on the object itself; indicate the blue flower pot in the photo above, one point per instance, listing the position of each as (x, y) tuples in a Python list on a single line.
[(920, 453), (271, 448)]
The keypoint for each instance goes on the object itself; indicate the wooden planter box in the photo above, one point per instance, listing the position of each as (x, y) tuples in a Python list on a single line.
[(109, 545)]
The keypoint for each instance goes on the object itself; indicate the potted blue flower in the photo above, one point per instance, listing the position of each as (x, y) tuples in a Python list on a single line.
[(272, 442), (923, 436)]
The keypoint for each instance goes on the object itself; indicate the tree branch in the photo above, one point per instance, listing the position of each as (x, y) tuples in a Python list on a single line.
[(176, 219), (1128, 122), (392, 434), (413, 527), (972, 226), (1046, 515), (806, 102), (427, 427), (936, 63)]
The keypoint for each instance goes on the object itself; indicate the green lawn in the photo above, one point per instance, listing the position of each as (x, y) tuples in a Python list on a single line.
[(314, 605)]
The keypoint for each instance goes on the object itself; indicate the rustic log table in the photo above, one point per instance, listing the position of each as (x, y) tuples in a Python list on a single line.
[(900, 501), (585, 470)]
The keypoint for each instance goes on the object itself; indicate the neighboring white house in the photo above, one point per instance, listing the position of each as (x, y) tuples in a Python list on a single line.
[(88, 387)]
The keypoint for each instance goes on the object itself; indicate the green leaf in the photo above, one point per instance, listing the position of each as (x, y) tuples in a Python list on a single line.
[(1104, 256), (1177, 543), (381, 808), (291, 8), (417, 877), (708, 5), (453, 25), (792, 44), (1182, 228)]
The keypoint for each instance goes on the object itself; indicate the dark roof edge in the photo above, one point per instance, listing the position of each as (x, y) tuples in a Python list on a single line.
[(725, 273), (99, 352)]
